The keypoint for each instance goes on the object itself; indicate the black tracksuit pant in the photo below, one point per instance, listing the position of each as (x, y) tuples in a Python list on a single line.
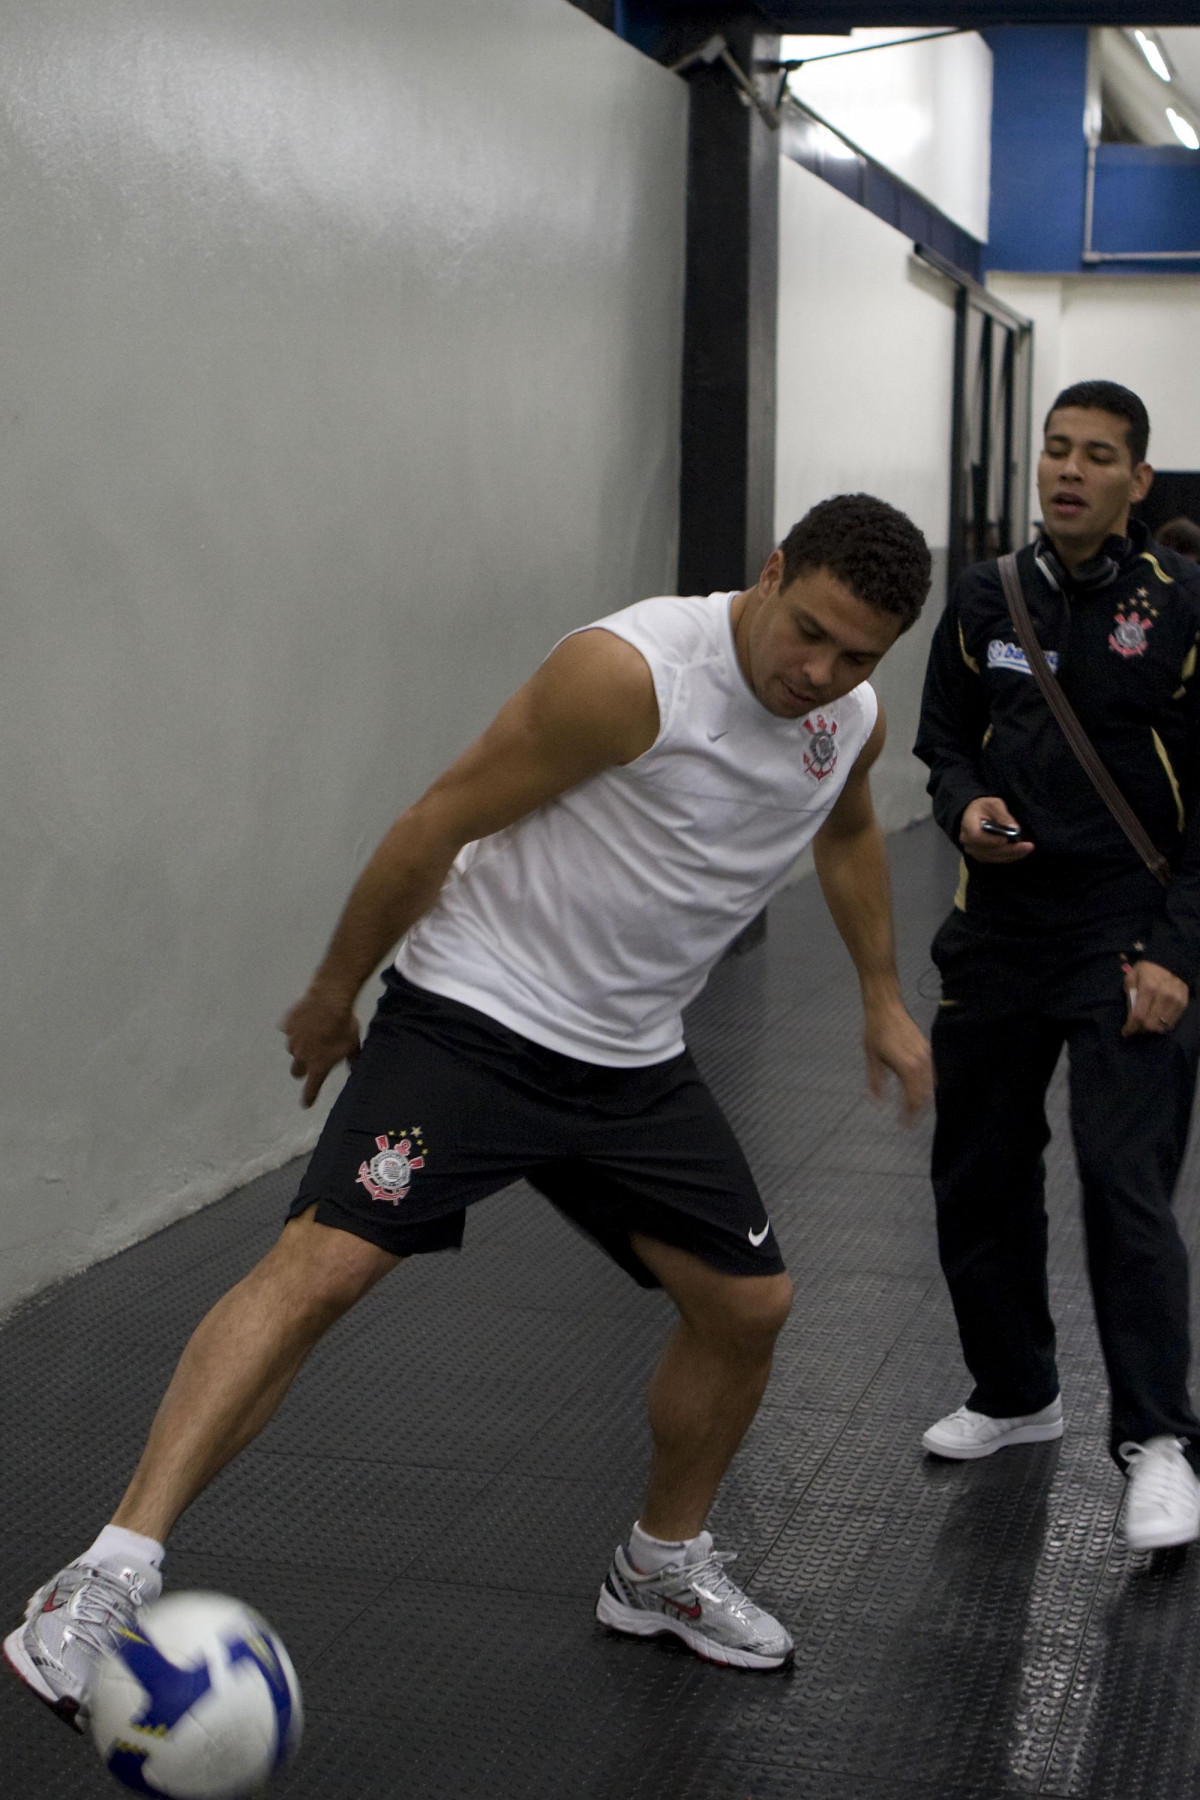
[(995, 1044)]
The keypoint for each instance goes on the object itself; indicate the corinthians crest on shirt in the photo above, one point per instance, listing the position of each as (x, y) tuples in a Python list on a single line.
[(821, 755), (388, 1175), (1128, 636)]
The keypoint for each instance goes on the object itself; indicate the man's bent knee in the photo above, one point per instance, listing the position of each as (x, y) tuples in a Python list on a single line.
[(742, 1313), (759, 1307), (744, 1310), (322, 1270)]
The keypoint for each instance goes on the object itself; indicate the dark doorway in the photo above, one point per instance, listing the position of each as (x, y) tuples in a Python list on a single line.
[(990, 438)]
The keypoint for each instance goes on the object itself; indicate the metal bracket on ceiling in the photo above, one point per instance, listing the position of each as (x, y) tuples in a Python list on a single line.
[(771, 112), (784, 69), (716, 49)]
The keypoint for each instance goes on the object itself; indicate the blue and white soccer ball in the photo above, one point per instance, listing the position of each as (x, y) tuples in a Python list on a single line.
[(200, 1703)]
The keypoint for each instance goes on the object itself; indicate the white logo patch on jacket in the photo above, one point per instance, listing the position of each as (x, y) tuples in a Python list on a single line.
[(1011, 656)]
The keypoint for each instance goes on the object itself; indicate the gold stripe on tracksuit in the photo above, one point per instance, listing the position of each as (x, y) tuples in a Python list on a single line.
[(960, 892), (1169, 580), (1165, 760)]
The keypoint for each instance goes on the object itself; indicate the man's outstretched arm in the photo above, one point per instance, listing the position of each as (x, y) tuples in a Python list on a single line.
[(590, 705), (852, 867)]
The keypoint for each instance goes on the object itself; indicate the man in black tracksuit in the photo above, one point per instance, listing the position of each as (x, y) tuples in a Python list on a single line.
[(1061, 935)]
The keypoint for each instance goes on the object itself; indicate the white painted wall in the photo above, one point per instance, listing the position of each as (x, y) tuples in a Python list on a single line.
[(340, 379), (923, 109), (866, 365), (1142, 331)]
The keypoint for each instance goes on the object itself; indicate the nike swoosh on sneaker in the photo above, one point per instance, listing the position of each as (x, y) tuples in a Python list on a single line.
[(756, 1237), (689, 1612)]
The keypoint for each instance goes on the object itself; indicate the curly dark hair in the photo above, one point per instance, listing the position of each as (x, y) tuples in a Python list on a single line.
[(875, 550), (1121, 402)]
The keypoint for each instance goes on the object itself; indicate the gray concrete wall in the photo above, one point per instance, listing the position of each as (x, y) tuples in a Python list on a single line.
[(341, 354), (865, 394)]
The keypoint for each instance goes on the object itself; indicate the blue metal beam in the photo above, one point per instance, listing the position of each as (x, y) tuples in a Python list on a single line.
[(649, 22)]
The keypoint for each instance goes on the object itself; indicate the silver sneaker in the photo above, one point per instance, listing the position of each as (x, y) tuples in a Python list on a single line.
[(69, 1624), (1162, 1500), (697, 1602), (965, 1435)]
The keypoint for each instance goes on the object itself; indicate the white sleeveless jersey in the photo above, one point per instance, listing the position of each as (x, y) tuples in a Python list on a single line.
[(588, 925)]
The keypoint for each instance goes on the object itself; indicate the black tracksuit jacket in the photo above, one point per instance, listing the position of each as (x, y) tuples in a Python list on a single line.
[(1127, 661)]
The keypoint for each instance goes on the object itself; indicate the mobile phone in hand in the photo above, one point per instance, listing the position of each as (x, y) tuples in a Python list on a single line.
[(993, 829)]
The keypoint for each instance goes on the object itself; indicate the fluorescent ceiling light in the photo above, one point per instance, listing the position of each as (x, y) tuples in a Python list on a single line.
[(1183, 131), (1153, 55)]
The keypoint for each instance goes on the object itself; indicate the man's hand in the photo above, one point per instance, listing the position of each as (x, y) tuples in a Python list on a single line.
[(893, 1040), (321, 1032), (1157, 999), (985, 846)]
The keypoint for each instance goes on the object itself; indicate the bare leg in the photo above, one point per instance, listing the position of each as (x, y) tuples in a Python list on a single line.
[(241, 1360), (708, 1383)]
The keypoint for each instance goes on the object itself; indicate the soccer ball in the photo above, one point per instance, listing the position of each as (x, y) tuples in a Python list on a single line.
[(200, 1702)]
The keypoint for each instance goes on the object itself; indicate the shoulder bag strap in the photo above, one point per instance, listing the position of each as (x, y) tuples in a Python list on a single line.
[(1076, 736)]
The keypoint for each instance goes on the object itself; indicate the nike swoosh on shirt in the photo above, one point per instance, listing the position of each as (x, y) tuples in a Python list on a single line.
[(756, 1237), (714, 735)]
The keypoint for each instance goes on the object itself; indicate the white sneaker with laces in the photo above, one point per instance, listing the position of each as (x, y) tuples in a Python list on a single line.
[(1162, 1497), (697, 1602), (70, 1623), (965, 1435)]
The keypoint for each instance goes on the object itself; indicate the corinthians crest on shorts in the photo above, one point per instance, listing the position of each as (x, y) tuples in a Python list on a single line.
[(821, 756), (388, 1175), (1128, 638)]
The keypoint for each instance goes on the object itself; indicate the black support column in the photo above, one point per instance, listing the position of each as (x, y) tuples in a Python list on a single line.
[(727, 476)]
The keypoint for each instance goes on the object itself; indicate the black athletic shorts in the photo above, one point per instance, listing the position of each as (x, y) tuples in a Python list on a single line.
[(444, 1106)]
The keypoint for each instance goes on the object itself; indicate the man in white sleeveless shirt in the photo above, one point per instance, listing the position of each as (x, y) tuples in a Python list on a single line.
[(561, 893)]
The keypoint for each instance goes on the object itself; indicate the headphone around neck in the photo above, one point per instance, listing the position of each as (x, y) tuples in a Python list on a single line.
[(1098, 572)]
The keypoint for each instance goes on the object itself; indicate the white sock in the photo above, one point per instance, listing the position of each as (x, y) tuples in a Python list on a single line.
[(650, 1554), (115, 1544)]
